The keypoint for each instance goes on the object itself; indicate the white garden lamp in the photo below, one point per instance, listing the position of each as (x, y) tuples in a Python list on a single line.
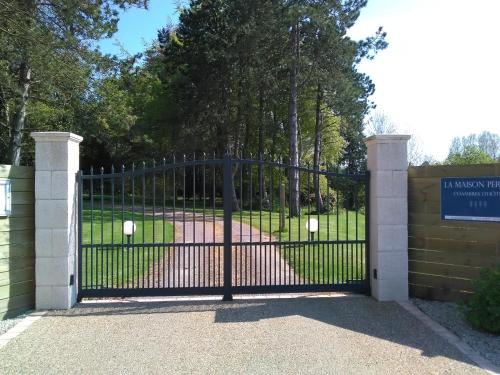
[(312, 226), (129, 228)]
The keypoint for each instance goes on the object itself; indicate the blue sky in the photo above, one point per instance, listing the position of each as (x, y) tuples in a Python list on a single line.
[(138, 27), (436, 80)]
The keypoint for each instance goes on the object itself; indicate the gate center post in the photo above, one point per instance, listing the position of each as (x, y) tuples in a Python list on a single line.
[(227, 195)]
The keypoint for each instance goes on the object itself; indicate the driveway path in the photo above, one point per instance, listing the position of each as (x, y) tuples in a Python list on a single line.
[(194, 265), (345, 335)]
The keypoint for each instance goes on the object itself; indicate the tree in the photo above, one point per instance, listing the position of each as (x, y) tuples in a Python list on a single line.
[(470, 155), (380, 123), (263, 77), (487, 142), (47, 57)]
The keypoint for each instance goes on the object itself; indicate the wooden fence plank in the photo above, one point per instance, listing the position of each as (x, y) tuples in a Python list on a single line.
[(13, 264), (418, 206), (17, 223), (23, 210), (448, 270), (23, 197), (17, 276), (455, 246), (439, 294), (450, 257), (26, 301), (17, 289), (476, 170), (17, 237), (9, 171), (17, 250), (440, 281), (455, 233), (434, 219), (23, 184)]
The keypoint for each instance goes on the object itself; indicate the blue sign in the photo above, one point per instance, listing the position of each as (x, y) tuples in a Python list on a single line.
[(470, 198)]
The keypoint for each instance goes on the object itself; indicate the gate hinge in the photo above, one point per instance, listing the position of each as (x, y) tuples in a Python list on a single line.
[(375, 273)]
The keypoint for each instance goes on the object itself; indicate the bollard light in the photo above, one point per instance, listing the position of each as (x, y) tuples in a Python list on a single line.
[(129, 228), (312, 226)]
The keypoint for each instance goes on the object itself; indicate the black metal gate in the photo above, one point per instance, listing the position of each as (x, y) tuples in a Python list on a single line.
[(222, 226)]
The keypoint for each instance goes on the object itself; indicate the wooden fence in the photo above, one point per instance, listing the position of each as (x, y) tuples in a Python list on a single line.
[(444, 256), (17, 244)]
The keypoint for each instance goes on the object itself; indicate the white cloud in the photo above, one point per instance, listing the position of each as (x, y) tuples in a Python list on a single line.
[(439, 76)]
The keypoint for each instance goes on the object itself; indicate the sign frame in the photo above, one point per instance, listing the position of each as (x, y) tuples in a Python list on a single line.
[(475, 198), (5, 197)]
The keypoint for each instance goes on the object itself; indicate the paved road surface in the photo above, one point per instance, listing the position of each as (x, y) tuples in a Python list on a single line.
[(348, 335)]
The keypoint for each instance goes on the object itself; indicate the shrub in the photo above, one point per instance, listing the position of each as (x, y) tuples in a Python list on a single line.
[(483, 309)]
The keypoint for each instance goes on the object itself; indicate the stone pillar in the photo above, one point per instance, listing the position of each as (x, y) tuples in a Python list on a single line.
[(388, 166), (56, 218)]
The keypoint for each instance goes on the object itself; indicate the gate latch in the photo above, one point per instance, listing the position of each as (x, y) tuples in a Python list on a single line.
[(375, 273)]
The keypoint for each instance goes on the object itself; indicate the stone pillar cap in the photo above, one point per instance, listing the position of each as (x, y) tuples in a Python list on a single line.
[(387, 138), (56, 137)]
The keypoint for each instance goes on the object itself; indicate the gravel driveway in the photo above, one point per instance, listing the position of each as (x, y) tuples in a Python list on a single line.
[(193, 265), (343, 335)]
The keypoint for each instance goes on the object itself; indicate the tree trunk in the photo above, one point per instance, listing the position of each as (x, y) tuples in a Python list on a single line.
[(317, 149), (4, 123), (261, 123), (293, 126), (20, 118), (236, 204)]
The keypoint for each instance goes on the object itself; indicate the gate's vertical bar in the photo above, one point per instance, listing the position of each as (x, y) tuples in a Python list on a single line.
[(184, 223), (204, 222), (367, 232), (214, 275), (163, 247), (173, 229), (271, 248), (356, 206), (143, 227), (240, 252), (112, 224), (227, 193), (330, 266), (80, 235), (308, 197), (92, 227), (337, 224), (250, 166), (194, 227), (261, 193), (122, 260), (154, 224), (347, 204), (102, 230), (282, 219), (132, 176), (290, 226)]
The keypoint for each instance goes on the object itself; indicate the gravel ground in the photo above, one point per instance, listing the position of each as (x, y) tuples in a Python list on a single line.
[(449, 315), (340, 335), (7, 324)]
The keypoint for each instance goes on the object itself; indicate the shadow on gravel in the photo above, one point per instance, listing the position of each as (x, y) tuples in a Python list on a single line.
[(387, 321)]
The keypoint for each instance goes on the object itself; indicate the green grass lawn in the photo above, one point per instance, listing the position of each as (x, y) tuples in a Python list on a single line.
[(322, 263), (120, 265)]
